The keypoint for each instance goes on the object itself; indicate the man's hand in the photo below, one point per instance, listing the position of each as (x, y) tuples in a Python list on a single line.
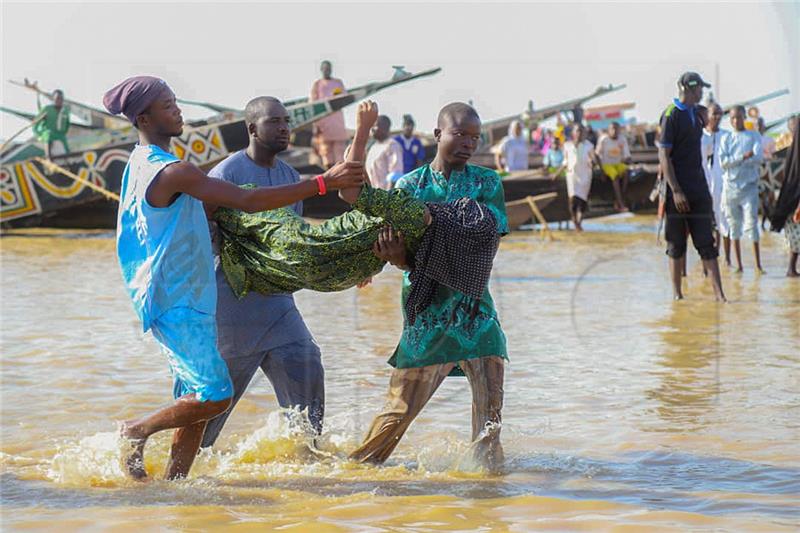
[(363, 283), (367, 115), (748, 155), (390, 247), (343, 175), (681, 202)]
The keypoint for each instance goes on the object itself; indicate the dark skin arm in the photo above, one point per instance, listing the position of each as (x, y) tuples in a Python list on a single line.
[(186, 178), (668, 171), (391, 247), (366, 116)]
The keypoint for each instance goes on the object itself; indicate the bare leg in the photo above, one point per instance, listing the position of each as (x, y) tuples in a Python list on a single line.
[(717, 241), (577, 221), (683, 265), (675, 274), (186, 411), (737, 249), (713, 267), (185, 443), (757, 254), (619, 204), (726, 245), (792, 270)]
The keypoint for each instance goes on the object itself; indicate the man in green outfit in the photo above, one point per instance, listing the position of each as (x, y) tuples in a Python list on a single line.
[(52, 122), (450, 336)]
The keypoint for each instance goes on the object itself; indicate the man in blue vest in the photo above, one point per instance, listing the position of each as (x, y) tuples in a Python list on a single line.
[(164, 250)]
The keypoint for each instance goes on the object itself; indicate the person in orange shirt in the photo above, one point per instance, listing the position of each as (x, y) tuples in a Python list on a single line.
[(330, 134)]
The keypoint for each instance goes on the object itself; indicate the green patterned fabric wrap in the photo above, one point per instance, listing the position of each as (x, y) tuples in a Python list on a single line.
[(277, 251)]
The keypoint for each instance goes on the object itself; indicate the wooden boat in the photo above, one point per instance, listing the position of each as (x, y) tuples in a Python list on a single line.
[(32, 197), (495, 130)]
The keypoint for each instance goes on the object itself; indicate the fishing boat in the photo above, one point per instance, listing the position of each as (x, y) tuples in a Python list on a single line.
[(73, 196)]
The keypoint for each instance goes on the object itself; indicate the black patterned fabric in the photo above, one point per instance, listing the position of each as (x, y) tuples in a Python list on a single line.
[(456, 251)]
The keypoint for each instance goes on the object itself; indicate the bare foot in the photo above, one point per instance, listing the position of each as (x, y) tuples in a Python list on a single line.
[(134, 460), (792, 274), (677, 297)]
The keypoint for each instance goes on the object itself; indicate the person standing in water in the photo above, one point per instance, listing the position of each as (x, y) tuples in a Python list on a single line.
[(786, 213), (266, 332), (448, 337), (579, 156), (712, 140), (688, 201), (164, 251), (740, 156)]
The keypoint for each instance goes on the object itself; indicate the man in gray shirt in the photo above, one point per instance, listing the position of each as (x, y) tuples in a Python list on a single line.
[(259, 331)]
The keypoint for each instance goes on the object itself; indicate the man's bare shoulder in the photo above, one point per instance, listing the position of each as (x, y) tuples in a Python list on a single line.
[(181, 171)]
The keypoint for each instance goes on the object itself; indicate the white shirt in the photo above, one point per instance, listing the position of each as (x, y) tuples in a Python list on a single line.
[(613, 151), (711, 165), (384, 158), (515, 152), (579, 168)]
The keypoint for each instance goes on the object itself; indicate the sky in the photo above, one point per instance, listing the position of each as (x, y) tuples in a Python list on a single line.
[(499, 55)]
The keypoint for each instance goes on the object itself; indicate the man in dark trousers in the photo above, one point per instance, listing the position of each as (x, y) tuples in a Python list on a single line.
[(259, 331), (688, 203)]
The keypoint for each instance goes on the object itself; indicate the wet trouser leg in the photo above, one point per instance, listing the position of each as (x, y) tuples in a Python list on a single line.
[(409, 391), (411, 388), (485, 376), (296, 373)]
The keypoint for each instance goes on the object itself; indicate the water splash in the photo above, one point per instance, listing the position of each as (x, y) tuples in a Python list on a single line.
[(95, 460)]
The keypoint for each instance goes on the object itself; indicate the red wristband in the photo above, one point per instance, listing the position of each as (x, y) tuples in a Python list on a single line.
[(321, 184)]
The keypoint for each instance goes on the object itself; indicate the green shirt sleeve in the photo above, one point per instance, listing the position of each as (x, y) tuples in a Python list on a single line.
[(494, 199)]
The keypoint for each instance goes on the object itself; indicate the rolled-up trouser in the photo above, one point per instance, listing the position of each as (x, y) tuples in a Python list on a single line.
[(700, 222), (741, 210), (411, 388), (296, 373)]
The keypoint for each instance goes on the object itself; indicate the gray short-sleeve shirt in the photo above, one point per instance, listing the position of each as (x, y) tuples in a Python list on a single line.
[(256, 323)]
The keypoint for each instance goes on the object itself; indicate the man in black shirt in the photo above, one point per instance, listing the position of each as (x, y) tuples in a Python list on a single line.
[(688, 203)]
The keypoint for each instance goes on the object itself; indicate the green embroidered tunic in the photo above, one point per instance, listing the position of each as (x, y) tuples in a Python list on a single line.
[(277, 251), (445, 332)]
